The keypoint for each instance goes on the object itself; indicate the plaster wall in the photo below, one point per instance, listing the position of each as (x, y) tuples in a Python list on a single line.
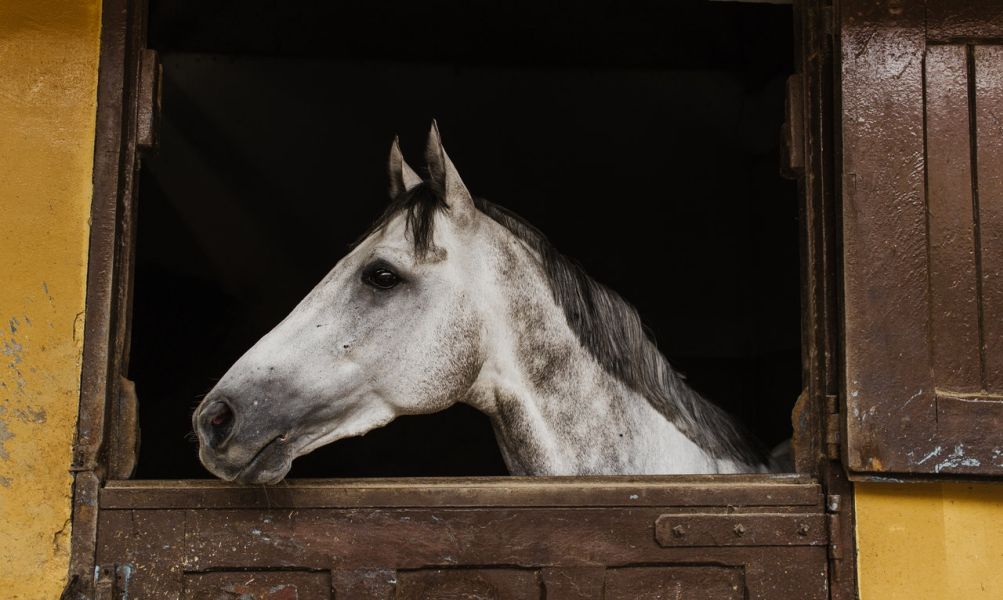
[(48, 86), (930, 541)]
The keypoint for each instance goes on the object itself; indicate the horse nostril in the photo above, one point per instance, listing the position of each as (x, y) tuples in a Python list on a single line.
[(217, 422)]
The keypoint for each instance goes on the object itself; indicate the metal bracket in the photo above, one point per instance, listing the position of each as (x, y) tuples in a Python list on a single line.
[(148, 94), (689, 530), (834, 508), (833, 426), (111, 581), (792, 130)]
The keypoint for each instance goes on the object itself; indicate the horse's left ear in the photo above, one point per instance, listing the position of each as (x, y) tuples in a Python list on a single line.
[(402, 176), (445, 178)]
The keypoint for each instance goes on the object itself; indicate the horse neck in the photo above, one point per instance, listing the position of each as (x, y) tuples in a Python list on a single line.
[(555, 410)]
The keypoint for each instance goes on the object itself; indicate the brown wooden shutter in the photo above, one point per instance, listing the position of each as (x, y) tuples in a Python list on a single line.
[(922, 193)]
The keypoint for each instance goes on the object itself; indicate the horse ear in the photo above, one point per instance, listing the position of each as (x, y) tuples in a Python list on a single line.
[(445, 178), (402, 177)]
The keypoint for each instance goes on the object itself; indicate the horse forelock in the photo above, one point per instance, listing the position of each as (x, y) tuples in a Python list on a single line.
[(606, 325)]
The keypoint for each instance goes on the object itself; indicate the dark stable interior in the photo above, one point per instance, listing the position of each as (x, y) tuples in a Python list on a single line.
[(641, 137)]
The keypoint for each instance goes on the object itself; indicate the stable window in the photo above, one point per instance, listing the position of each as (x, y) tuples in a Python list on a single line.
[(620, 131)]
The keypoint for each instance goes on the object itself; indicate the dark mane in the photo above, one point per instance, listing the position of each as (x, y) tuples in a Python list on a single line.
[(606, 325)]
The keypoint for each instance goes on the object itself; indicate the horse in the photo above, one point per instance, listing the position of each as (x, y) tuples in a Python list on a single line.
[(449, 298)]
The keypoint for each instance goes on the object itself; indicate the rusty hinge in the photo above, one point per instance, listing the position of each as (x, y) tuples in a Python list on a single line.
[(111, 581), (834, 513), (833, 426), (687, 530), (151, 73), (792, 130)]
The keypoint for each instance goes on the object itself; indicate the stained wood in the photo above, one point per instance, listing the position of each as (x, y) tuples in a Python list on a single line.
[(257, 585), (890, 400), (922, 238), (784, 490), (654, 583), (434, 552), (445, 584), (352, 539), (573, 583), (988, 63), (954, 309), (971, 20)]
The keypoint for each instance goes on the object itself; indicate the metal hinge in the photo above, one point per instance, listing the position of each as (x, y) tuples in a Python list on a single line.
[(148, 95), (792, 130), (111, 581), (834, 513), (833, 426)]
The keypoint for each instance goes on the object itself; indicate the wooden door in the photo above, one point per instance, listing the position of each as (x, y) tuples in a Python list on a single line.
[(922, 193), (498, 538)]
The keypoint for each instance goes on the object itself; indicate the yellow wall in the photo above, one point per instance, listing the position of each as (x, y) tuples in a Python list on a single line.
[(940, 541), (48, 86)]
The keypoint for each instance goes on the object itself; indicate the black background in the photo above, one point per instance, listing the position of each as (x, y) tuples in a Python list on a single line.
[(640, 136)]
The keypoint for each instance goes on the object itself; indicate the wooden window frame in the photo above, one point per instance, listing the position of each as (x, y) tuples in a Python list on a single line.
[(105, 449)]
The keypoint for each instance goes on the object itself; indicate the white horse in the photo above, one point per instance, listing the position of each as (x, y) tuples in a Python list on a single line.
[(453, 299)]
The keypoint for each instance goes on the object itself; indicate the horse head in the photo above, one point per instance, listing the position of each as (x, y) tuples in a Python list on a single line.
[(394, 328)]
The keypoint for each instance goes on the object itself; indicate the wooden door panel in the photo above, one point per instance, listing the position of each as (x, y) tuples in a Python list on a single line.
[(922, 238), (257, 585), (988, 98), (472, 584), (954, 289), (655, 583), (488, 547)]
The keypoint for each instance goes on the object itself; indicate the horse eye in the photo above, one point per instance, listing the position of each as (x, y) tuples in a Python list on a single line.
[(381, 278)]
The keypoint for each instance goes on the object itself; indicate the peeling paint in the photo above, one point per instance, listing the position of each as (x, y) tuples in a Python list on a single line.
[(125, 573), (5, 434), (30, 415), (957, 459), (13, 349), (935, 452)]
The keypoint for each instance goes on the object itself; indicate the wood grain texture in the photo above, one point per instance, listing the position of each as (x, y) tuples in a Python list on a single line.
[(954, 303), (988, 63), (485, 545), (890, 400), (971, 20)]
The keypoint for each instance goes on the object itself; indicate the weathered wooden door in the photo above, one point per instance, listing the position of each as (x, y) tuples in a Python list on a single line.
[(502, 538), (922, 136)]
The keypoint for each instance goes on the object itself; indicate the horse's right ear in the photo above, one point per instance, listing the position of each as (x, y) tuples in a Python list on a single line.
[(443, 176), (402, 177)]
